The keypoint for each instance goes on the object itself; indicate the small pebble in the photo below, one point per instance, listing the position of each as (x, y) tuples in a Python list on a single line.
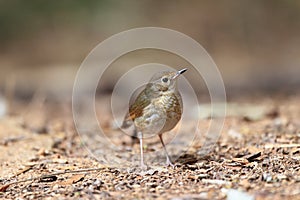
[(267, 177)]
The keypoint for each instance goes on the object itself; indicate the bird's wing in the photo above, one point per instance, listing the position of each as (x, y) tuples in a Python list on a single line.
[(136, 108)]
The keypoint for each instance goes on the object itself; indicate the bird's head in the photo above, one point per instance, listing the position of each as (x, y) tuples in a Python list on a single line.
[(165, 81)]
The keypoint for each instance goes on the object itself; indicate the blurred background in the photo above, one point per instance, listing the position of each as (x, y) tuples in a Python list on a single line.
[(255, 44)]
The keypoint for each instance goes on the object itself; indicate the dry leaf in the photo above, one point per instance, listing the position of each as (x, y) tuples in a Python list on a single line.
[(73, 179), (4, 187)]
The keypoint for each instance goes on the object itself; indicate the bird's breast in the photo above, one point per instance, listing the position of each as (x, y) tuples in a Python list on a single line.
[(170, 105), (163, 113)]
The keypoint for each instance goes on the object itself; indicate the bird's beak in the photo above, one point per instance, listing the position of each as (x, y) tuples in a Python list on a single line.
[(179, 72)]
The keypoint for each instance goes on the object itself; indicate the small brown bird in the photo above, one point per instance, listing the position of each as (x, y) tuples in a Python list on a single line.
[(157, 109)]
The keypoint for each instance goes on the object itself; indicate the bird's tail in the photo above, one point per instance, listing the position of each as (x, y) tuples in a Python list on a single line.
[(127, 122)]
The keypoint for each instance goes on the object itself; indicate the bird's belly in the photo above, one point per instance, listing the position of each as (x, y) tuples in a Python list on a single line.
[(157, 118), (151, 122)]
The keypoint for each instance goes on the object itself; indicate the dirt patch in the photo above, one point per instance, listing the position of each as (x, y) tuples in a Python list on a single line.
[(47, 159)]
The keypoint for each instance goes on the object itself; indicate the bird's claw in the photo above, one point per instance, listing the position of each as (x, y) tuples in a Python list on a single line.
[(169, 163), (143, 166)]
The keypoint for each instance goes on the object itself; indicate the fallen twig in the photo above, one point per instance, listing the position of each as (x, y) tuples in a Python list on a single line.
[(216, 181), (6, 141), (270, 146), (44, 177)]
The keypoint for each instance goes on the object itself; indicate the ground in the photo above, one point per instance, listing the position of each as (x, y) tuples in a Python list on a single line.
[(257, 155)]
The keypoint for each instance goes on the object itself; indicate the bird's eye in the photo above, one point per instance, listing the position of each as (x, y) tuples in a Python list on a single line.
[(165, 80)]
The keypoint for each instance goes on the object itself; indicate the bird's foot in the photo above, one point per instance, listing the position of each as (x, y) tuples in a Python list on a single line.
[(143, 166), (169, 163)]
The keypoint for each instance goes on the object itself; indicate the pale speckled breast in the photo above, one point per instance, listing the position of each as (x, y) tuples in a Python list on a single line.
[(161, 115), (172, 104)]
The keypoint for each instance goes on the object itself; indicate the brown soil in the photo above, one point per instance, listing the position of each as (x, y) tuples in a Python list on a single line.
[(42, 156)]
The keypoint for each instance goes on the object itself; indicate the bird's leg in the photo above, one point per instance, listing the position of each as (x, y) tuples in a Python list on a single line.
[(168, 162), (134, 137), (140, 136)]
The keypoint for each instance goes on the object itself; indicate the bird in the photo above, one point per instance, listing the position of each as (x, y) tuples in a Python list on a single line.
[(156, 109)]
